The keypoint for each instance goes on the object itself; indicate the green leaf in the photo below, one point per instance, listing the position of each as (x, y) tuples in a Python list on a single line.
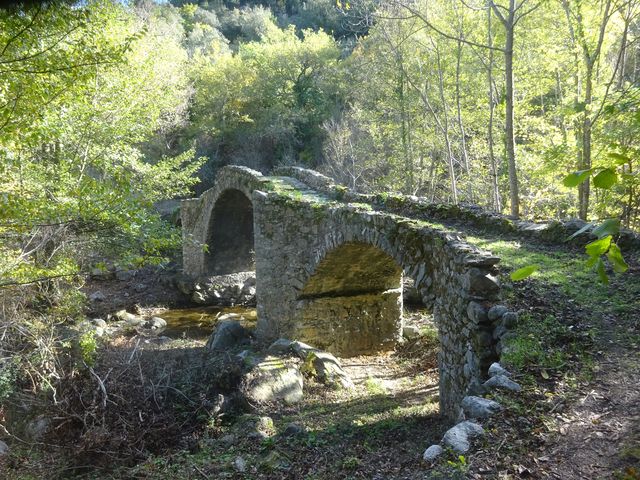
[(598, 247), (611, 226), (576, 178), (606, 179), (615, 257), (523, 272), (604, 278), (582, 230), (619, 158)]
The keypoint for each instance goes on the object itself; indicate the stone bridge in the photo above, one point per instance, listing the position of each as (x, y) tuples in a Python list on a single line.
[(330, 266)]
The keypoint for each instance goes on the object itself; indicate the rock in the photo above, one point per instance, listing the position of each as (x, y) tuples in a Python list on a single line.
[(125, 275), (459, 437), (328, 370), (496, 312), (157, 323), (97, 296), (496, 369), (431, 453), (37, 428), (499, 332), (502, 382), (256, 427), (483, 284), (228, 333), (129, 318), (509, 319), (4, 449), (274, 460), (240, 464), (98, 322), (302, 349), (410, 331), (271, 380), (228, 439), (476, 313), (478, 407), (293, 430), (140, 287), (282, 346)]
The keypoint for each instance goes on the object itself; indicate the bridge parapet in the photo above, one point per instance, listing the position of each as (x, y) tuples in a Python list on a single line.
[(329, 269)]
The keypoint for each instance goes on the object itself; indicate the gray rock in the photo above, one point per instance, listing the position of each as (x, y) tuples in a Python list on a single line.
[(240, 464), (499, 331), (272, 380), (140, 287), (282, 346), (125, 275), (459, 437), (129, 318), (157, 323), (509, 319), (293, 430), (228, 333), (97, 296), (410, 331), (302, 349), (431, 453), (496, 369), (37, 428), (502, 382), (98, 322), (4, 449), (483, 284), (496, 312), (477, 313), (478, 407), (328, 370)]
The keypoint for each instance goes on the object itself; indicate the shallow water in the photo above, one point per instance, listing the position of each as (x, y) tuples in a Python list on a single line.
[(199, 322)]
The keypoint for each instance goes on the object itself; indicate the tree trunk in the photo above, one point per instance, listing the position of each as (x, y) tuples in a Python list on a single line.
[(585, 187), (497, 204), (463, 142), (509, 121)]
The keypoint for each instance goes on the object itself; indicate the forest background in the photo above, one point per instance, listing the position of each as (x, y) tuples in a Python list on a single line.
[(108, 108)]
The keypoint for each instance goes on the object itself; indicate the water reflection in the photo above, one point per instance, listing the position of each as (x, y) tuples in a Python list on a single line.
[(199, 322)]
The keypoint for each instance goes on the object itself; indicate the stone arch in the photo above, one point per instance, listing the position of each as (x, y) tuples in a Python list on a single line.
[(233, 190), (230, 235), (352, 302)]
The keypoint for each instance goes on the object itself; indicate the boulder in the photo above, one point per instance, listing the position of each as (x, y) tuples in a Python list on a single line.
[(97, 296), (478, 407), (157, 323), (270, 380), (293, 430), (496, 369), (98, 322), (431, 453), (228, 334), (502, 382), (329, 371), (410, 331), (129, 318), (459, 437), (281, 347), (496, 312), (509, 319), (476, 313), (4, 449)]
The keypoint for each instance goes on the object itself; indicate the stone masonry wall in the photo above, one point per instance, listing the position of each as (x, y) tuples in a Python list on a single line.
[(292, 237), (301, 234)]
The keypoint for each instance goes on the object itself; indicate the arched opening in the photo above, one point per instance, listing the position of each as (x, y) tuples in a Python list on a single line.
[(230, 236), (352, 304)]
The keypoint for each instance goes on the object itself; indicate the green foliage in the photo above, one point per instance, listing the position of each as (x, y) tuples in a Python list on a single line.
[(524, 272), (88, 347), (77, 182)]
